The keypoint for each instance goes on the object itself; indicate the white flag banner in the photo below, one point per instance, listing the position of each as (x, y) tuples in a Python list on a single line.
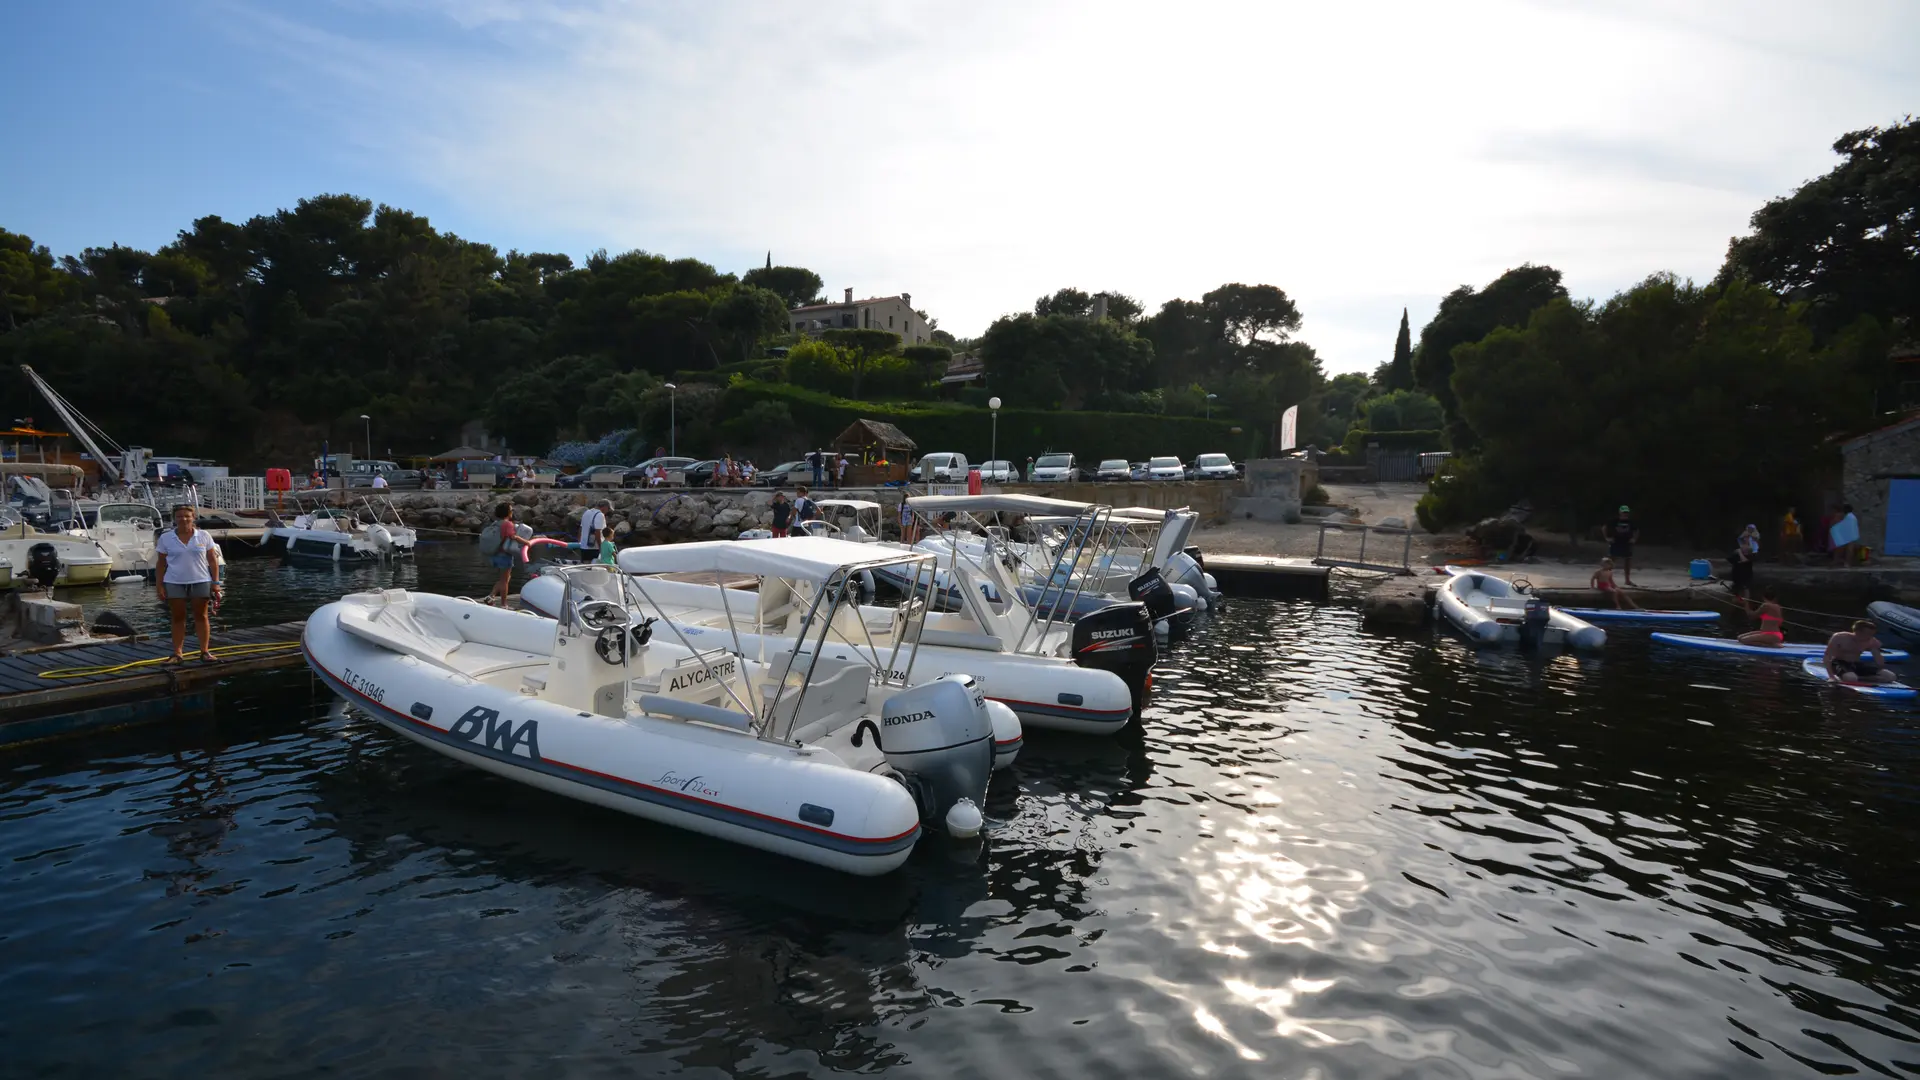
[(1289, 425)]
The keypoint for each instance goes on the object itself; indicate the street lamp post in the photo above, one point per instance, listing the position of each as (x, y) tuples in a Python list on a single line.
[(1210, 398), (673, 423), (993, 406), (368, 420)]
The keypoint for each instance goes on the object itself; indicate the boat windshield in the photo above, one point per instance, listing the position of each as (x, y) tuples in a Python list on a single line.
[(137, 513)]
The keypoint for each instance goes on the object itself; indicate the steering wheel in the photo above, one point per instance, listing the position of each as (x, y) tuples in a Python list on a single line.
[(600, 614), (615, 643), (1521, 585)]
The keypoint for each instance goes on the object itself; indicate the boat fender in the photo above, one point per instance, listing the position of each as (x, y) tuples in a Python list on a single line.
[(940, 739), (1119, 638), (964, 820)]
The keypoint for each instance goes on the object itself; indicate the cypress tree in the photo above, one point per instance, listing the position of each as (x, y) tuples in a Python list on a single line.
[(1400, 374)]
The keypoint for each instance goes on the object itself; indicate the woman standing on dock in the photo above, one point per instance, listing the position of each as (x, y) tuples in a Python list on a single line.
[(187, 568)]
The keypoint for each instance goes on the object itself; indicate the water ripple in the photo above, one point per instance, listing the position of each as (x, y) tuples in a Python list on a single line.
[(1332, 853)]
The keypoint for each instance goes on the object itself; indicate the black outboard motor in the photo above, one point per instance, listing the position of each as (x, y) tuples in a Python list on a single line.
[(1533, 625), (43, 565), (1119, 638), (1152, 590)]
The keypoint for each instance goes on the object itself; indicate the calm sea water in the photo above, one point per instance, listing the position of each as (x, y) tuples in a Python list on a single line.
[(1333, 853)]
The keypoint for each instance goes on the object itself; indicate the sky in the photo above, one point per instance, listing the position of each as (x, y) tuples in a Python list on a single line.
[(977, 154)]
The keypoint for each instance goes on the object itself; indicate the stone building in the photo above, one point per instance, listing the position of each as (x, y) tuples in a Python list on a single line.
[(1880, 477), (893, 313)]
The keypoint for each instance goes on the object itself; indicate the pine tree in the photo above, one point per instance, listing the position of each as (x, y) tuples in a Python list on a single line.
[(1400, 374)]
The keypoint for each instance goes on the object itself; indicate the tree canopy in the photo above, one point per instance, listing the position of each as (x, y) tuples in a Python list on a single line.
[(1700, 407), (255, 341), (1466, 316), (796, 286), (1846, 243)]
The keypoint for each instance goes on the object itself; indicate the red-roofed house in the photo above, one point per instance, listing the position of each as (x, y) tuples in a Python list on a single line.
[(893, 313)]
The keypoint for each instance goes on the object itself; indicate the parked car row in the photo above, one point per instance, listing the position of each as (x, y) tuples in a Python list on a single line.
[(951, 468)]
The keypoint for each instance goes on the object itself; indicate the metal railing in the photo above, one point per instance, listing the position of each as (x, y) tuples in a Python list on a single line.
[(233, 493), (1357, 560)]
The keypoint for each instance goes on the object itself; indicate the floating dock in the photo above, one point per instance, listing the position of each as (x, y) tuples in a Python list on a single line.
[(1269, 576), (69, 689)]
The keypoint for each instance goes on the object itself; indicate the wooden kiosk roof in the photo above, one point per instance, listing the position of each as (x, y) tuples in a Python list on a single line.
[(864, 433)]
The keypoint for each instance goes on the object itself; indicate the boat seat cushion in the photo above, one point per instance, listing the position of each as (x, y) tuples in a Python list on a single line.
[(476, 659)]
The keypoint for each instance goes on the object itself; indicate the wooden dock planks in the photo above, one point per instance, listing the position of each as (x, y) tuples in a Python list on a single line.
[(26, 698)]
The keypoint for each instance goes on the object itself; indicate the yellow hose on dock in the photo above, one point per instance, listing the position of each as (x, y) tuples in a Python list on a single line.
[(221, 652)]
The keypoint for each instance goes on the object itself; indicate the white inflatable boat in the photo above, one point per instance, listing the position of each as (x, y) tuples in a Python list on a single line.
[(1490, 611), (793, 750), (1090, 677)]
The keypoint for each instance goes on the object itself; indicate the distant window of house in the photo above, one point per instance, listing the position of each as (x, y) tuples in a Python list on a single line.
[(889, 322), (846, 320), (866, 316)]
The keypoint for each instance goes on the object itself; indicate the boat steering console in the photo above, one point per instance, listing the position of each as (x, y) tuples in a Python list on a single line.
[(617, 636)]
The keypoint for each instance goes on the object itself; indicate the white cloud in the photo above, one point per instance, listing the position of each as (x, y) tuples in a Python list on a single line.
[(981, 154)]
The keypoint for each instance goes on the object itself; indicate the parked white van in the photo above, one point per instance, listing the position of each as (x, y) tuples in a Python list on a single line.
[(941, 469)]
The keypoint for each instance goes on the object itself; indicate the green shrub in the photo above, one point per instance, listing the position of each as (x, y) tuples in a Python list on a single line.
[(1426, 512), (1315, 496)]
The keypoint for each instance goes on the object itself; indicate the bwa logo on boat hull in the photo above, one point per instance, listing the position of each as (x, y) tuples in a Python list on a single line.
[(483, 725)]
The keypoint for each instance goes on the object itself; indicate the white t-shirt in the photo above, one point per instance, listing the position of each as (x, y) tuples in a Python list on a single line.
[(379, 481), (186, 559), (589, 521)]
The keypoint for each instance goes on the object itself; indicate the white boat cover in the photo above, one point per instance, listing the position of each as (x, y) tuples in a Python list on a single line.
[(851, 504), (798, 558), (997, 504)]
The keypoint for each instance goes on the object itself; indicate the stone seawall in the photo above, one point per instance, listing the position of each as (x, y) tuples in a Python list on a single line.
[(642, 517), (639, 517)]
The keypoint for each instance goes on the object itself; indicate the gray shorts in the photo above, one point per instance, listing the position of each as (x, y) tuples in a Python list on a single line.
[(199, 590)]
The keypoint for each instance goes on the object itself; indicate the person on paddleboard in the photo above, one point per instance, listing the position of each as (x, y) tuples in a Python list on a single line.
[(1771, 633), (1853, 655), (1602, 581)]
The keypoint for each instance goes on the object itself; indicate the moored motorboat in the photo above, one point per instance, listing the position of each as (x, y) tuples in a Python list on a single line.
[(789, 749), (1090, 677), (1489, 610), (336, 535), (47, 559)]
